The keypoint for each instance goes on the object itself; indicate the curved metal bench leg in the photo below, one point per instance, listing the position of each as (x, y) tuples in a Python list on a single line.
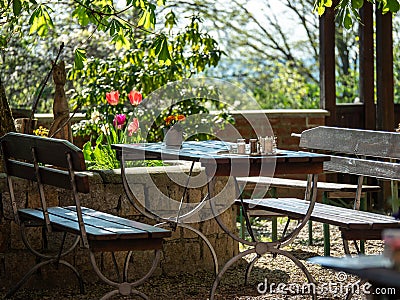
[(46, 256), (24, 279), (110, 294), (77, 274), (204, 238), (249, 268), (350, 293), (126, 265), (125, 288), (301, 266), (226, 267)]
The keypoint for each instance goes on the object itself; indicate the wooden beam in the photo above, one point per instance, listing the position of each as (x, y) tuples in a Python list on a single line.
[(384, 69), (366, 68), (327, 64)]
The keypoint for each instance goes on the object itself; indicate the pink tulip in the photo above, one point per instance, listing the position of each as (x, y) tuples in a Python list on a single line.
[(135, 98), (133, 126), (119, 121), (112, 97)]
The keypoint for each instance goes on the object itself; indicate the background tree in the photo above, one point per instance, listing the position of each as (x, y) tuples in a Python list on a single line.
[(95, 16), (7, 124), (272, 49)]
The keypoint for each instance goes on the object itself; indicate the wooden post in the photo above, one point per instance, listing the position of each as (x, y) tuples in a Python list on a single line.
[(367, 80), (384, 86), (327, 63), (384, 71)]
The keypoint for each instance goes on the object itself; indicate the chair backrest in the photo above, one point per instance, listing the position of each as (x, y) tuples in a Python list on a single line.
[(20, 151), (47, 161), (366, 152)]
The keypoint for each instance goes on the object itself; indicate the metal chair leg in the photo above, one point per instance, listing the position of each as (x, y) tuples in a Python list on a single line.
[(125, 288), (249, 268), (15, 288)]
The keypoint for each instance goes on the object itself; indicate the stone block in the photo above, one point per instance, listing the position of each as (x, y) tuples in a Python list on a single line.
[(109, 176), (14, 266), (5, 236), (189, 234), (3, 182), (21, 198), (181, 257), (33, 234)]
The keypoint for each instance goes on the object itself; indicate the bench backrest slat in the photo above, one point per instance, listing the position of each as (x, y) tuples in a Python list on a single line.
[(49, 151), (382, 144), (366, 152), (51, 156), (377, 169), (49, 176)]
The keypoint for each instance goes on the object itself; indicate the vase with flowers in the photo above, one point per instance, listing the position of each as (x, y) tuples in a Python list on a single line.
[(173, 131)]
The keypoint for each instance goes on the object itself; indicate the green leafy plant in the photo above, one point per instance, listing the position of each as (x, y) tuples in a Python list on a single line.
[(101, 155)]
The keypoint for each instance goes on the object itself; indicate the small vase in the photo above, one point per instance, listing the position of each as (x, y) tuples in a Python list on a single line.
[(173, 137)]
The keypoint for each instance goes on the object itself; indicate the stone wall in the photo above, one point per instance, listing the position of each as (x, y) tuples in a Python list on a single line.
[(183, 252)]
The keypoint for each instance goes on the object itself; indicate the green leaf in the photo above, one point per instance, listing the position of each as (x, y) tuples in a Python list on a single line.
[(87, 151), (347, 22), (392, 5), (40, 21), (17, 7), (147, 19), (170, 20), (120, 40), (81, 15), (162, 50), (79, 59), (357, 4)]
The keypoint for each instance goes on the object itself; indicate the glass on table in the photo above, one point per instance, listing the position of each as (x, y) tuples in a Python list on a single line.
[(241, 146)]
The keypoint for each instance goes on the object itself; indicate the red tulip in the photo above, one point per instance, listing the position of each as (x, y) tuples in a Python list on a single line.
[(112, 97), (169, 120), (135, 98), (180, 118), (133, 126)]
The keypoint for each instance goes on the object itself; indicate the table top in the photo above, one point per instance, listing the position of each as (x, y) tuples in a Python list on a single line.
[(375, 268), (215, 155)]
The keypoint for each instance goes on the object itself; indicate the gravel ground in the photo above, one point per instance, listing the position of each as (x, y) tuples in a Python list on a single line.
[(268, 270)]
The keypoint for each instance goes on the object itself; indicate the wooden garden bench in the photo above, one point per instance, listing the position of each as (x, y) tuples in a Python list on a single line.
[(60, 164), (329, 190), (362, 153)]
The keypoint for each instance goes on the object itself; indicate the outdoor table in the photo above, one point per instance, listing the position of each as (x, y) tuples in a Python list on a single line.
[(376, 269), (214, 156)]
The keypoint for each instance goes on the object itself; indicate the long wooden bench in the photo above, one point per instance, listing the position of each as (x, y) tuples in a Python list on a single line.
[(60, 164), (362, 153)]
